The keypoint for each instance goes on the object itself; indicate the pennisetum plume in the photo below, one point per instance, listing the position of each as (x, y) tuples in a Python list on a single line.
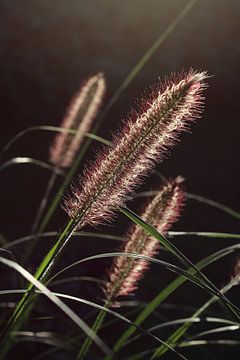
[(161, 212), (80, 115), (146, 137)]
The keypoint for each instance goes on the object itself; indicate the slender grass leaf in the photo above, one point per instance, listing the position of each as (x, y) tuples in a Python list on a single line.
[(215, 204), (19, 160), (203, 280), (68, 312), (174, 338), (163, 295)]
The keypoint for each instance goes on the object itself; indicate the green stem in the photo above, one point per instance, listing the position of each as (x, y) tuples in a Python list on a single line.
[(166, 292), (174, 338), (40, 212), (95, 327), (25, 305)]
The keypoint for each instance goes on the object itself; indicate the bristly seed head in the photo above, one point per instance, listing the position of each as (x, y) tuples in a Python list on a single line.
[(80, 115), (144, 139), (161, 212)]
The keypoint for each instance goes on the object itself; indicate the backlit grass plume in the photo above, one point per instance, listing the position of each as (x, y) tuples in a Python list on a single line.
[(80, 115), (145, 138), (161, 212)]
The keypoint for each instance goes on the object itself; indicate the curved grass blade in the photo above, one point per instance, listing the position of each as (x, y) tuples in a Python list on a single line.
[(53, 298), (215, 204), (232, 326), (96, 306), (209, 342), (204, 281), (117, 315), (200, 199), (214, 331), (174, 285), (77, 338), (174, 338), (162, 263), (27, 160), (78, 278), (167, 265), (51, 129), (44, 337), (216, 235), (148, 55), (27, 238), (135, 71)]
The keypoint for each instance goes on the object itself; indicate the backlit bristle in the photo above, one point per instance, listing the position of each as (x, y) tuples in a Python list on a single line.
[(161, 212), (80, 115), (145, 139)]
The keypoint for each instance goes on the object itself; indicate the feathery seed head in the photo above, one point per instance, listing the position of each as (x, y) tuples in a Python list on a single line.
[(80, 115), (144, 139), (161, 212)]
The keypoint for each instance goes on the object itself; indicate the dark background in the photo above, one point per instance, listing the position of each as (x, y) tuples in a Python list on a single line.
[(48, 47)]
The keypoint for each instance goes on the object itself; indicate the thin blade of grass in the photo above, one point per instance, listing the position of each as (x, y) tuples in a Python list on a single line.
[(27, 238), (44, 337), (174, 338), (131, 76), (214, 331), (94, 305), (209, 342), (51, 129), (19, 160), (198, 320), (117, 315), (163, 295), (203, 280), (53, 298), (166, 265), (207, 234), (215, 204), (200, 199)]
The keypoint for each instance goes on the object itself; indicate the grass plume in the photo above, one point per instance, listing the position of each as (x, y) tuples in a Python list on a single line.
[(80, 115), (145, 138), (161, 212)]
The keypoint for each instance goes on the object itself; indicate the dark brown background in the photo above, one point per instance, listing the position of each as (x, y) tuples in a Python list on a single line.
[(48, 47)]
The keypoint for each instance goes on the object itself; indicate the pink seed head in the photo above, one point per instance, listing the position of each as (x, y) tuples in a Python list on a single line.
[(80, 115), (161, 212), (145, 138)]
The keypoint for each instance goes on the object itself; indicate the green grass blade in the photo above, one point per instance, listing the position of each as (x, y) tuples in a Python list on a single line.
[(216, 330), (200, 199), (216, 235), (203, 280), (50, 128), (27, 238), (150, 52), (103, 309), (173, 268), (163, 295), (19, 160), (224, 342), (174, 338), (135, 71), (198, 320), (53, 298), (215, 204)]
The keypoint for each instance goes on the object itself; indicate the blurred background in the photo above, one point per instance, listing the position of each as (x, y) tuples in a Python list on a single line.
[(48, 47)]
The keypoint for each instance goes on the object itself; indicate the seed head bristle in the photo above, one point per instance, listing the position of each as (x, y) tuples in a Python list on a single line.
[(144, 139), (80, 115), (161, 212)]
